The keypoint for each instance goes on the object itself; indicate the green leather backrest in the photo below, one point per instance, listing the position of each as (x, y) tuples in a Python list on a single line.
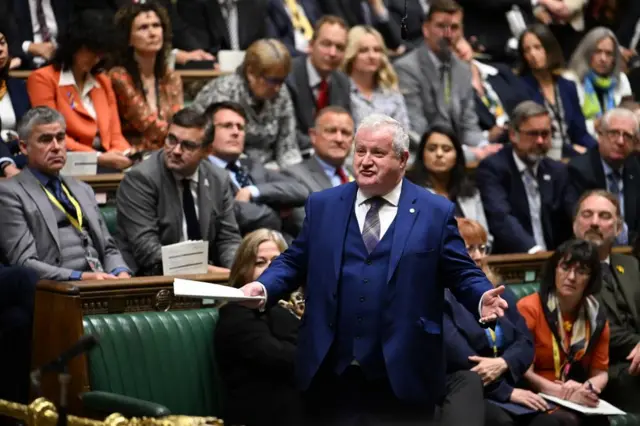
[(522, 290), (109, 215), (164, 357)]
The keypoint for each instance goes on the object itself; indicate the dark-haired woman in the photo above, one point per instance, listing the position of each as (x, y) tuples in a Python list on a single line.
[(75, 86), (440, 167), (148, 92), (541, 66), (570, 331)]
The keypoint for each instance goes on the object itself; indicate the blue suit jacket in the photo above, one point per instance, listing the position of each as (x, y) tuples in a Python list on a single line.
[(464, 337), (573, 116), (279, 23), (507, 208), (427, 255), (17, 89)]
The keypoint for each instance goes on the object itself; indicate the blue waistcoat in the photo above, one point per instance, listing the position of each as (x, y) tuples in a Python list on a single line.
[(362, 294)]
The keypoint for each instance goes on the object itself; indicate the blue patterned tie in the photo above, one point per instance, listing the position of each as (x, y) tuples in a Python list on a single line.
[(242, 176), (371, 228), (56, 186)]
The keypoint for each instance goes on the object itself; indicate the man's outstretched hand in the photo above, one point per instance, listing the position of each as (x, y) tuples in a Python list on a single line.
[(493, 306), (254, 289)]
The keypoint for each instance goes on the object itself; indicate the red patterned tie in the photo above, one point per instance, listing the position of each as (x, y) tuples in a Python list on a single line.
[(42, 22), (323, 95), (342, 175)]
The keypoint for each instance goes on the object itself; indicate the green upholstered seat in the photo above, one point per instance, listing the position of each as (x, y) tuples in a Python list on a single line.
[(164, 357), (109, 213), (522, 290)]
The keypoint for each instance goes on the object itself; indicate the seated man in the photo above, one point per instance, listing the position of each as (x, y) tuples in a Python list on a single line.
[(598, 220), (612, 166), (524, 193), (262, 196), (51, 223), (331, 139), (315, 80), (175, 196)]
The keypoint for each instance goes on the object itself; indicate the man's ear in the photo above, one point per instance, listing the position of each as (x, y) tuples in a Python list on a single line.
[(23, 147)]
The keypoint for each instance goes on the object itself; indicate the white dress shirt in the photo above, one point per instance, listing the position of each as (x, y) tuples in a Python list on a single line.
[(7, 114), (230, 16), (194, 193), (299, 40), (386, 213), (314, 78), (533, 198), (52, 24), (67, 79)]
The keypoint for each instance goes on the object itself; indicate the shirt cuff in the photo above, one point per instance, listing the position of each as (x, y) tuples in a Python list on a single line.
[(535, 249), (120, 269), (255, 192), (25, 46), (480, 305), (264, 304), (75, 276), (6, 160)]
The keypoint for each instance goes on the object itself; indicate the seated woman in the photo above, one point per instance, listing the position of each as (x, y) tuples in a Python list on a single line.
[(148, 92), (440, 167), (258, 85), (595, 67), (570, 331), (14, 102), (75, 86), (374, 83), (255, 350), (500, 355), (541, 63)]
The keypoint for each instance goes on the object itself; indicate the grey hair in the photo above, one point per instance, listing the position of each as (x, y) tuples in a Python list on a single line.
[(580, 62), (620, 113), (400, 141), (524, 111), (38, 116)]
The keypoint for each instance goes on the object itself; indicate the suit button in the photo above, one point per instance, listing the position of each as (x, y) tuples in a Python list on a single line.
[(335, 295), (368, 261), (362, 299), (331, 325), (359, 319), (365, 281), (56, 260), (358, 337)]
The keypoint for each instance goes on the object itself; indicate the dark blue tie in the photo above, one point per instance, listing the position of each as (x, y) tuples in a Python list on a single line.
[(55, 185), (189, 208), (242, 175)]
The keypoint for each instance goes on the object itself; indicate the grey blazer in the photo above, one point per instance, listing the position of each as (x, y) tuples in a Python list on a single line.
[(304, 101), (420, 84), (150, 213), (30, 231)]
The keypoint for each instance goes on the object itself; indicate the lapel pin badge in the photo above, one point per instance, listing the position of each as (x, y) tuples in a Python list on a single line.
[(206, 183), (546, 177), (620, 269), (412, 210)]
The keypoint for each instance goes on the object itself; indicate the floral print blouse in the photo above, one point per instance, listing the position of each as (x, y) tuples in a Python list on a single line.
[(270, 134), (144, 128)]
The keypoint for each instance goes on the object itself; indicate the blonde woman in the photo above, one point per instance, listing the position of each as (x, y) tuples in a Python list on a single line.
[(374, 83), (255, 350), (258, 85)]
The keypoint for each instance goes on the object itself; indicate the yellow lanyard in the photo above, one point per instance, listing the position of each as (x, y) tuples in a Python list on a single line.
[(494, 344), (556, 358), (75, 221)]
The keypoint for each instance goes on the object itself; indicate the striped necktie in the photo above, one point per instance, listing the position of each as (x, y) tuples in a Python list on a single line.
[(371, 228)]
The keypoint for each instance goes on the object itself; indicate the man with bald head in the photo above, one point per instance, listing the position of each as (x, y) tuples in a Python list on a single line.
[(376, 255)]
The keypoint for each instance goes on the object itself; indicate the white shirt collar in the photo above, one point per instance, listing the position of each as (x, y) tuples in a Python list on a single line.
[(608, 260), (485, 70), (392, 197), (193, 177), (314, 77), (522, 166), (67, 79)]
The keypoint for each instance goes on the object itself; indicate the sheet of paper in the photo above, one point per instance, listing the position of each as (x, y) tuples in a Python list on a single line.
[(198, 289), (603, 408), (229, 60), (80, 164), (188, 257)]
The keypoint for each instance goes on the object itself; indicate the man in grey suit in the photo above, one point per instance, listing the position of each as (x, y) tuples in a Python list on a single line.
[(177, 195), (262, 197), (437, 85), (52, 223), (331, 138), (315, 80)]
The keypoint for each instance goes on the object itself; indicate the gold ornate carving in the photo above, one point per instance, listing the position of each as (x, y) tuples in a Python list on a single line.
[(163, 300), (42, 412)]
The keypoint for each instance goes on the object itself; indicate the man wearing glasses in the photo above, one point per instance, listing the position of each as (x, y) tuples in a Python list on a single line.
[(612, 167), (51, 223), (263, 198), (526, 194), (175, 196)]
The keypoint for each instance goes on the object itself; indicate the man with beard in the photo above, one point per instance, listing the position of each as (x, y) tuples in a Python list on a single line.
[(523, 192), (177, 195), (598, 220)]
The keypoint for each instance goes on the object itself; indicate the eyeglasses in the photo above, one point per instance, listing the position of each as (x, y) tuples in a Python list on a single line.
[(535, 134), (483, 249), (580, 271), (230, 125), (47, 138), (189, 146), (615, 135), (274, 81)]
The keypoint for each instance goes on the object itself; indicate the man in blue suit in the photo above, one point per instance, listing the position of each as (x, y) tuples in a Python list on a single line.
[(376, 255)]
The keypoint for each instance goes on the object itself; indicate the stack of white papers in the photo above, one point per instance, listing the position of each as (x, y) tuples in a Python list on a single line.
[(188, 257), (200, 290), (603, 408), (80, 164)]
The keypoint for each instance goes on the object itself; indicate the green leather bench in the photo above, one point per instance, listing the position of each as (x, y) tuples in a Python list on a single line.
[(154, 364), (109, 215)]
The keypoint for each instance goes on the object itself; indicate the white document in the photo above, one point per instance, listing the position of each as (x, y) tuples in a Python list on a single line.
[(202, 290), (187, 257), (229, 60), (603, 408), (80, 164)]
